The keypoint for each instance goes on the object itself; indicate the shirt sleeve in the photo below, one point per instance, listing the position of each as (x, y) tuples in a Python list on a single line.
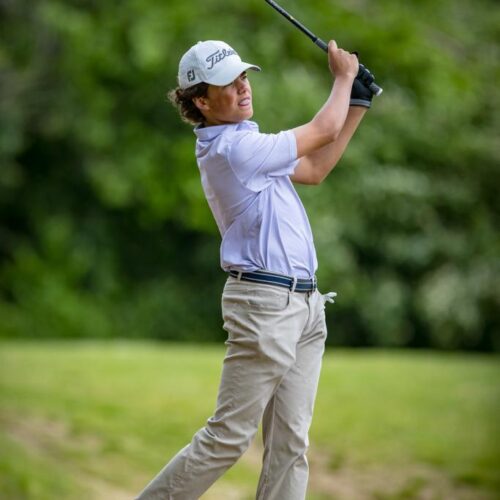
[(257, 159)]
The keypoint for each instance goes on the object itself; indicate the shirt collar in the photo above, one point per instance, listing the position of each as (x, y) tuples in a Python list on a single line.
[(209, 133)]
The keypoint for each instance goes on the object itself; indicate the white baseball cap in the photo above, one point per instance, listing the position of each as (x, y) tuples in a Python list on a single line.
[(212, 62)]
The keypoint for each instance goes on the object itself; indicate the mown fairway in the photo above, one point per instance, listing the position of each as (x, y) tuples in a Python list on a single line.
[(97, 420)]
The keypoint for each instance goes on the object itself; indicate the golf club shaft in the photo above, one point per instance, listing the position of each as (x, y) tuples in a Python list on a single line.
[(376, 90)]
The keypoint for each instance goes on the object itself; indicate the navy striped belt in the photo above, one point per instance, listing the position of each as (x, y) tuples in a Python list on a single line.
[(269, 278)]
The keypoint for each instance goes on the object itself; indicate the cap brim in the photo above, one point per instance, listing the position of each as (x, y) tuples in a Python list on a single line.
[(231, 72)]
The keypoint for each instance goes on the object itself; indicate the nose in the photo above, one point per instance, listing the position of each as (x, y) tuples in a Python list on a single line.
[(242, 84)]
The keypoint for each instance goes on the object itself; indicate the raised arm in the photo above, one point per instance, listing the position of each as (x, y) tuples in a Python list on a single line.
[(327, 124), (322, 141), (314, 167)]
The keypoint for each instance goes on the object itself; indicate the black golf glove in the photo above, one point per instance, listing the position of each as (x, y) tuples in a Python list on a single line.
[(361, 95)]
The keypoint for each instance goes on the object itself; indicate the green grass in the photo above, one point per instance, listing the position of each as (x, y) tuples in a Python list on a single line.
[(96, 420)]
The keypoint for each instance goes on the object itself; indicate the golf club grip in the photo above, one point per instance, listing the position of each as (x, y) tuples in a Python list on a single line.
[(376, 90)]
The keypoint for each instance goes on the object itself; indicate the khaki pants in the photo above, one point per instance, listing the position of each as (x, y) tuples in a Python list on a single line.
[(271, 369)]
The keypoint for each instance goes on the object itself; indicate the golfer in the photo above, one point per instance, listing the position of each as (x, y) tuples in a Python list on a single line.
[(273, 312)]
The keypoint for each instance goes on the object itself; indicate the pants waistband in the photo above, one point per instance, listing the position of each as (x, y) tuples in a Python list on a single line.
[(269, 278)]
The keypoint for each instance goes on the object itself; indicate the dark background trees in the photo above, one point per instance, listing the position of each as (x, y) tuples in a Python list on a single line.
[(104, 229)]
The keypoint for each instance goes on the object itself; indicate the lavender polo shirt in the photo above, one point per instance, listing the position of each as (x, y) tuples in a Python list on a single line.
[(245, 177)]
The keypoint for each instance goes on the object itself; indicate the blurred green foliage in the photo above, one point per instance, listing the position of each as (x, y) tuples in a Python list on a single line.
[(104, 228)]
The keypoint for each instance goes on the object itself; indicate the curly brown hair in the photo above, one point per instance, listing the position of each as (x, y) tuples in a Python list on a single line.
[(182, 99)]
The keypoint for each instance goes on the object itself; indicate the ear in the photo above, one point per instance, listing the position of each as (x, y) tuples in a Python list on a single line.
[(201, 103)]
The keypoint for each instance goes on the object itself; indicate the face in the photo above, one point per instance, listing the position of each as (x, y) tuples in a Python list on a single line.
[(228, 104)]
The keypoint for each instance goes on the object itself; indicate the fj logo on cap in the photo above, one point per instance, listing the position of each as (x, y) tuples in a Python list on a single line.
[(218, 56), (191, 76)]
